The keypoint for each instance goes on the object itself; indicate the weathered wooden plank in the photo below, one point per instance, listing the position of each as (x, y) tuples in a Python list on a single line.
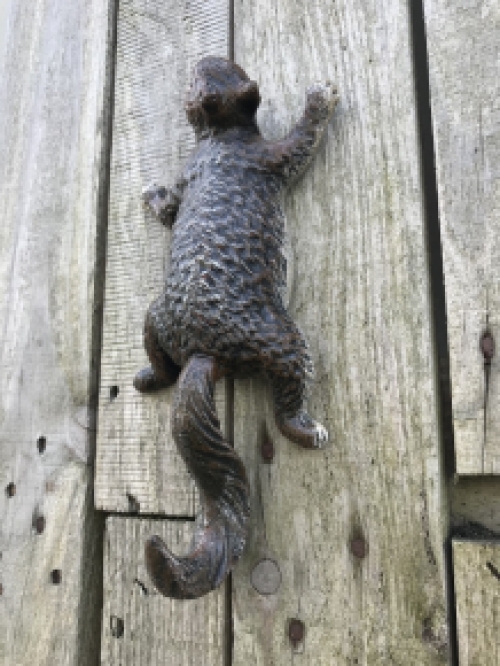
[(54, 117), (477, 581), (158, 44), (464, 50), (139, 625), (361, 295), (475, 506)]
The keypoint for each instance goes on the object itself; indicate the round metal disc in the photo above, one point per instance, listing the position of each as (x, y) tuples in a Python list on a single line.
[(266, 577)]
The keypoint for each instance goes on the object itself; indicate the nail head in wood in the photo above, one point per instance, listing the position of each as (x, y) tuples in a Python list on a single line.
[(487, 345), (266, 577), (296, 631), (39, 524), (359, 547), (267, 449), (56, 576), (10, 490)]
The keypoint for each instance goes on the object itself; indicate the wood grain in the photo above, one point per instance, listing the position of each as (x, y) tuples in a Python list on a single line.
[(464, 50), (477, 581), (54, 117), (361, 295), (138, 467), (139, 625)]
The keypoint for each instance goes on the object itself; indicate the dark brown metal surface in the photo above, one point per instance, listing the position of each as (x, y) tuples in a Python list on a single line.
[(221, 311), (296, 631), (487, 345)]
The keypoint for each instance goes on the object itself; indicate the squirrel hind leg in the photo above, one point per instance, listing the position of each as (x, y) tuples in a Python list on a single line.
[(162, 372), (292, 420)]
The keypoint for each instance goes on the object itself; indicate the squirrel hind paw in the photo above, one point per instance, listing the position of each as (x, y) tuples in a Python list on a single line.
[(152, 190), (321, 435), (304, 431)]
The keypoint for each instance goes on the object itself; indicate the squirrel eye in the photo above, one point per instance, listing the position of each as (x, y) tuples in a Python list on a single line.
[(211, 103)]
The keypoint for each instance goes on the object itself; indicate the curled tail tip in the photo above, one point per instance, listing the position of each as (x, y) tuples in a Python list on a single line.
[(221, 533), (198, 573), (160, 564)]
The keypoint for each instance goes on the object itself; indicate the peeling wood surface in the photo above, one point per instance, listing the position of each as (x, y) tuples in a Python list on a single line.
[(477, 586), (464, 51), (137, 466), (361, 295), (54, 145), (140, 627)]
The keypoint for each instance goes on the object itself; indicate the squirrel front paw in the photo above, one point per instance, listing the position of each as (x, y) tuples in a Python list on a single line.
[(161, 202), (323, 96)]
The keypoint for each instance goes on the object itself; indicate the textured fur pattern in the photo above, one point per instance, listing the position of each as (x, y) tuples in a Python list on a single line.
[(221, 311)]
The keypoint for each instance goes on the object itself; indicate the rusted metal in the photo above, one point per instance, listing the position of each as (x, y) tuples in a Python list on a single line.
[(296, 632), (267, 449), (487, 346), (221, 311), (116, 626), (56, 576), (39, 524), (359, 547)]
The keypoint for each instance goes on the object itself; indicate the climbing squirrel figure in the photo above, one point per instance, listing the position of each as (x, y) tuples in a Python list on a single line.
[(221, 311)]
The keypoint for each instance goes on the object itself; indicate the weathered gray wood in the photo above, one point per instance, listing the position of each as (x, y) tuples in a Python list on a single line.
[(158, 43), (475, 505), (477, 583), (54, 110), (360, 294), (464, 51), (139, 625)]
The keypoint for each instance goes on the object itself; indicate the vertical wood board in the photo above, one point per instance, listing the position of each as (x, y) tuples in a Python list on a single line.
[(477, 585), (137, 466), (141, 627), (464, 52), (54, 104), (360, 293)]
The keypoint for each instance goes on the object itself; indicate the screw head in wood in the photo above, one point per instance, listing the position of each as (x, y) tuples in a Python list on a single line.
[(296, 631)]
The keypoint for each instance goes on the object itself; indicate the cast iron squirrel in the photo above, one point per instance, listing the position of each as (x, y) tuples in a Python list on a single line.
[(221, 310)]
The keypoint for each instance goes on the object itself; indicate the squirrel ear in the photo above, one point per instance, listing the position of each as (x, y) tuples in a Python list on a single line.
[(248, 96)]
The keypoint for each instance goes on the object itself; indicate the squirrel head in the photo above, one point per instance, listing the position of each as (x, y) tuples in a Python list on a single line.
[(221, 96)]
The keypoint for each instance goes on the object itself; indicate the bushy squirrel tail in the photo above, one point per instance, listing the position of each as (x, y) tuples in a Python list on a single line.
[(221, 529)]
